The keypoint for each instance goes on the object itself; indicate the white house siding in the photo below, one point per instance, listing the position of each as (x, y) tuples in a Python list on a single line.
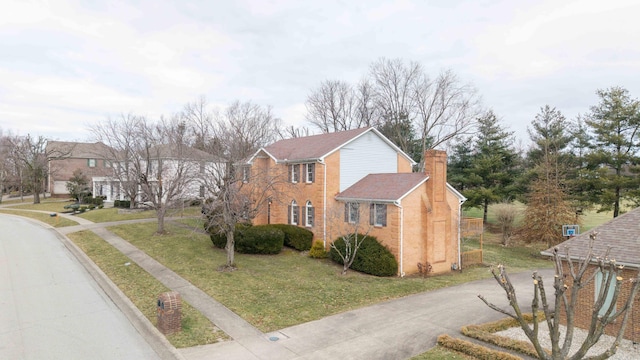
[(368, 154)]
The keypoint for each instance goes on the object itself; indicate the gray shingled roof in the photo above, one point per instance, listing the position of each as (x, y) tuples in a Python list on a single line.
[(622, 234), (311, 147), (78, 150), (383, 187)]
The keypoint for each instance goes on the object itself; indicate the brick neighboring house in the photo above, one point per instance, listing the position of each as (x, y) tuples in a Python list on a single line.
[(416, 215), (622, 235), (88, 157)]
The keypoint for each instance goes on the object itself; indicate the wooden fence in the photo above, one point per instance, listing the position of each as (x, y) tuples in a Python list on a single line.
[(472, 227)]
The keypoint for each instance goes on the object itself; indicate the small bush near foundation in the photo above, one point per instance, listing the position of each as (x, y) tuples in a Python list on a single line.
[(261, 239), (371, 258), (475, 350), (295, 236), (317, 251)]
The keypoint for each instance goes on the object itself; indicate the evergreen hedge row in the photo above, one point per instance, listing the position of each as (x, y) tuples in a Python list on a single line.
[(295, 236)]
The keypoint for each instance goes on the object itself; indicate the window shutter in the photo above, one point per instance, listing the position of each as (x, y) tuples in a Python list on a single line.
[(298, 172), (346, 212), (299, 222), (372, 214), (289, 214), (290, 170), (384, 215)]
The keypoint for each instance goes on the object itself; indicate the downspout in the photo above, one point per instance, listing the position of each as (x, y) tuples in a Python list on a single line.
[(324, 203), (460, 234), (397, 203)]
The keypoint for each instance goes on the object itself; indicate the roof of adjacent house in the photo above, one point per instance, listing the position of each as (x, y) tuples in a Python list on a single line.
[(383, 187), (78, 150), (622, 234), (316, 147)]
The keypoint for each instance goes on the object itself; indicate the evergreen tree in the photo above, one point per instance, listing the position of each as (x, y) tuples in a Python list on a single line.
[(548, 203), (615, 124), (460, 161), (491, 177)]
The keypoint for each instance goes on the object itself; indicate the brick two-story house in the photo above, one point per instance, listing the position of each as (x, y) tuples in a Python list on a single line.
[(415, 215), (88, 157)]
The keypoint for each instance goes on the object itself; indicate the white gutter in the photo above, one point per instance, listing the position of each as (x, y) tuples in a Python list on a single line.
[(324, 203)]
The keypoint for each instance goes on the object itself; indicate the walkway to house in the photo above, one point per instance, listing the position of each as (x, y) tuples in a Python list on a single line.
[(396, 329)]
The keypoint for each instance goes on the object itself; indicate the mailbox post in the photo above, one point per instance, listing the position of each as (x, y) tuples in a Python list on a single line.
[(169, 312)]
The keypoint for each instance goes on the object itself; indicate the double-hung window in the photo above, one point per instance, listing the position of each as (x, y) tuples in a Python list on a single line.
[(294, 213), (294, 173), (91, 162), (351, 212), (378, 214), (310, 169), (309, 214)]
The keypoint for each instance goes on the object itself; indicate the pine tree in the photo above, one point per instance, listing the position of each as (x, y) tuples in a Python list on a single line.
[(615, 124), (548, 206), (491, 177)]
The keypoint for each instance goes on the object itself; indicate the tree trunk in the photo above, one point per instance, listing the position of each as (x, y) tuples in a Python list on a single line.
[(161, 211), (616, 204), (230, 248), (485, 210)]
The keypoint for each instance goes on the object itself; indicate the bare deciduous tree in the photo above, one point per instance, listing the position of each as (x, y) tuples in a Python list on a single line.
[(121, 135), (152, 161), (330, 107), (236, 191), (580, 274), (32, 157), (446, 108), (506, 213)]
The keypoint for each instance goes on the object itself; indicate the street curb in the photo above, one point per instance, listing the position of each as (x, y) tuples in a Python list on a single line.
[(153, 336)]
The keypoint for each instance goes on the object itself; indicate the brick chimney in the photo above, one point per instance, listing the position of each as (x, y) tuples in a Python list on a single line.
[(435, 166), (440, 252)]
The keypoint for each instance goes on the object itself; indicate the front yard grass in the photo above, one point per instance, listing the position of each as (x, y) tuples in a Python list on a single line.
[(55, 221), (143, 290), (274, 292)]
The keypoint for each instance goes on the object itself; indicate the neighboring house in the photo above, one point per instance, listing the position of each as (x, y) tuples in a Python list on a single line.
[(180, 170), (416, 215), (622, 236), (88, 157)]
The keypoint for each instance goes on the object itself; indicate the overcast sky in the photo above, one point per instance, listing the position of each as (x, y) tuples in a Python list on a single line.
[(67, 64)]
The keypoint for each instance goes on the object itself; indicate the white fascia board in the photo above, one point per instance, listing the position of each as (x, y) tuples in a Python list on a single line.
[(413, 188), (456, 193)]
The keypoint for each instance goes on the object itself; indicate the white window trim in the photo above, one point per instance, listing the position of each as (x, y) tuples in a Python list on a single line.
[(294, 213), (308, 206)]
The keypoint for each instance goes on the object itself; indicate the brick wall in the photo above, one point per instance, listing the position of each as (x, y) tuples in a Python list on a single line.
[(585, 304)]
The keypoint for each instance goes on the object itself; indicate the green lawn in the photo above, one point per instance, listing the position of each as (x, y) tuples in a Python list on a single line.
[(57, 221), (273, 292), (112, 214), (143, 290)]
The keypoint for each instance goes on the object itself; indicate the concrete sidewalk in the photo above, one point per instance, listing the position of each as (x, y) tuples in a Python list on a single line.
[(396, 329)]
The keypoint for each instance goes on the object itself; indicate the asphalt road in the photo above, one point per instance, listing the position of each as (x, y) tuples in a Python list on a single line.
[(51, 308)]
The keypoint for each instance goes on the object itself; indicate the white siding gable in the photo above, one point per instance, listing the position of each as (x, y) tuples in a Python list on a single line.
[(368, 154)]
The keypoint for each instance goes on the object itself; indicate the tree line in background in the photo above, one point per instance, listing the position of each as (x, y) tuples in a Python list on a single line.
[(571, 165)]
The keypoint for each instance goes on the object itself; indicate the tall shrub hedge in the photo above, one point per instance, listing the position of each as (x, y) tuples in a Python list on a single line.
[(296, 237), (261, 239), (371, 258)]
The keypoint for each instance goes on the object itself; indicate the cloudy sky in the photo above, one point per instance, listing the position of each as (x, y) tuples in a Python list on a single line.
[(65, 65)]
